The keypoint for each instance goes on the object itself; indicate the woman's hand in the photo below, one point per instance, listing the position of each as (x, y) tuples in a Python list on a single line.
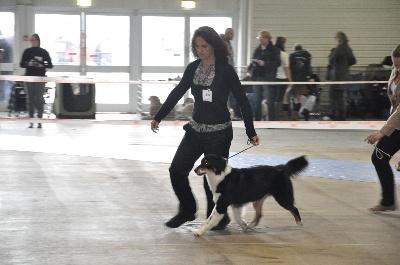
[(260, 62), (373, 137), (154, 126), (255, 140)]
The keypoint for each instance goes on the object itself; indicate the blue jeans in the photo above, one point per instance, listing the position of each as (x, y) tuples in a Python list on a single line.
[(260, 92)]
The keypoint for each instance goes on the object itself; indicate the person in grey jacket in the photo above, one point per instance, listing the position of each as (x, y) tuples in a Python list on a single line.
[(389, 140), (340, 60)]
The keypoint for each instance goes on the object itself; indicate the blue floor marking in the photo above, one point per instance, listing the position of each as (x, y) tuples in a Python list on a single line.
[(321, 168)]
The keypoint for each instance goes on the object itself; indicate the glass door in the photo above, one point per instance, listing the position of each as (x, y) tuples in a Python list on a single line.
[(107, 52), (107, 41)]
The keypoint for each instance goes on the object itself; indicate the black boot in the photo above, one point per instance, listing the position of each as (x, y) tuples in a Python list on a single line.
[(187, 202), (306, 114), (180, 219)]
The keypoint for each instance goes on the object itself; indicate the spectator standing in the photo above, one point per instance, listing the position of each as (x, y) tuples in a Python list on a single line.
[(266, 60), (209, 130), (282, 75), (228, 37), (232, 103), (389, 141), (35, 59), (300, 69), (340, 60)]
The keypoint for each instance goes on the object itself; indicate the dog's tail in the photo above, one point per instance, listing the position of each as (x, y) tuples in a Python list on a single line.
[(295, 166)]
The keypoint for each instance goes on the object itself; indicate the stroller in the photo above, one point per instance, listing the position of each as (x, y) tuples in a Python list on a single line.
[(17, 101)]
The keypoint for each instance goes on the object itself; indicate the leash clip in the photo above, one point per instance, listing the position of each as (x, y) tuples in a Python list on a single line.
[(248, 143)]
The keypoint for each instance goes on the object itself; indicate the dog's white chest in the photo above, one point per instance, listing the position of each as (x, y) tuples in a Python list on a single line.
[(214, 180)]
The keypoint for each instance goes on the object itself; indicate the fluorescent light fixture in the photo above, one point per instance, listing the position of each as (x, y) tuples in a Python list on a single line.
[(188, 4), (84, 3)]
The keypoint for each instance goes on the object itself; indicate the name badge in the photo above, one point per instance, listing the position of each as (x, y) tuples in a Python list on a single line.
[(207, 95)]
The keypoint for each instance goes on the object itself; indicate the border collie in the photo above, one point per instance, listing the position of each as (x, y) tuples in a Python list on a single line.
[(238, 186)]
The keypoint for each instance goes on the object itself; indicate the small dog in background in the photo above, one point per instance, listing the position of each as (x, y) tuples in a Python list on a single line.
[(155, 105), (187, 108), (238, 186)]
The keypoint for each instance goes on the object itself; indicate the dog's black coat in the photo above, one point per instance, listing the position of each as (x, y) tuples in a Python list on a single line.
[(238, 186)]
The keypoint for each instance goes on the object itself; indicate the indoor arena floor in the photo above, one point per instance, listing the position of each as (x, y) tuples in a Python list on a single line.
[(100, 194)]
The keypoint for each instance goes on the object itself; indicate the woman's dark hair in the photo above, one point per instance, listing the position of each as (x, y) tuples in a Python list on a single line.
[(36, 36), (280, 43), (221, 51)]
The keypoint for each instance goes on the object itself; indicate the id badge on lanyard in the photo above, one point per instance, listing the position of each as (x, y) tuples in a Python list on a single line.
[(207, 95)]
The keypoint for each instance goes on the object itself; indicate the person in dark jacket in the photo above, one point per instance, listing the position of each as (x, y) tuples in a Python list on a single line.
[(340, 60), (266, 60), (301, 70), (35, 59), (209, 131)]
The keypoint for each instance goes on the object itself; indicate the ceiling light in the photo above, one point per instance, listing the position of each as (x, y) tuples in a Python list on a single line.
[(188, 4), (84, 3)]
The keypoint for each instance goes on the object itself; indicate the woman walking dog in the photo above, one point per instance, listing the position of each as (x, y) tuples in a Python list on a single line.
[(389, 140), (209, 131)]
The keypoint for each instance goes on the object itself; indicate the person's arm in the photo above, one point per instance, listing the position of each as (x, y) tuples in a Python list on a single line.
[(391, 124), (47, 61), (177, 93), (24, 60), (273, 61), (286, 66), (333, 56)]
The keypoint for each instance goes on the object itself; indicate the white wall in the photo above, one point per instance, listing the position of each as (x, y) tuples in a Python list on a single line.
[(372, 26)]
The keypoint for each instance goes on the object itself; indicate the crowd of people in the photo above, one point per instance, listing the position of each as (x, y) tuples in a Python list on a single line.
[(272, 63)]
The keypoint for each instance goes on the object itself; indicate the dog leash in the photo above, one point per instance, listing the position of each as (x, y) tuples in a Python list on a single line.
[(248, 143), (379, 154)]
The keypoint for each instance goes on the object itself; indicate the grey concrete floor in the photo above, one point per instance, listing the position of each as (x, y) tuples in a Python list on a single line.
[(100, 194)]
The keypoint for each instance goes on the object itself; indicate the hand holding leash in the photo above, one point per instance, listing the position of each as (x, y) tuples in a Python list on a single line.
[(255, 140)]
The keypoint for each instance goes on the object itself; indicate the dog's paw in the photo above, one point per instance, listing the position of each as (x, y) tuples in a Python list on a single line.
[(251, 225), (300, 223), (197, 233), (244, 226)]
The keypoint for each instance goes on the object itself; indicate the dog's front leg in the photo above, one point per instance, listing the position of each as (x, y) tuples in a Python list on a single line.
[(238, 213), (213, 220)]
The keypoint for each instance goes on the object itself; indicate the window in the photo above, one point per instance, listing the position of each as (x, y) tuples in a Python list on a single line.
[(59, 35), (107, 40), (163, 41)]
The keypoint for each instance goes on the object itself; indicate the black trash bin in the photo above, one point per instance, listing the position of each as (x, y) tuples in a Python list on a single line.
[(75, 101)]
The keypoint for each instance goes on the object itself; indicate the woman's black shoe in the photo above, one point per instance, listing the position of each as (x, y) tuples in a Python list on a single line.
[(180, 219)]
